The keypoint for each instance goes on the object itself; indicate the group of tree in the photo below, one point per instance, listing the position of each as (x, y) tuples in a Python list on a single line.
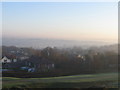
[(76, 60)]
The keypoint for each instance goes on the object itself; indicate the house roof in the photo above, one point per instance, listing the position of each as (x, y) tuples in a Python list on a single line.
[(5, 58)]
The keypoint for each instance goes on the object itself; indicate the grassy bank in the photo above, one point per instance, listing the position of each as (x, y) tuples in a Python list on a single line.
[(108, 80)]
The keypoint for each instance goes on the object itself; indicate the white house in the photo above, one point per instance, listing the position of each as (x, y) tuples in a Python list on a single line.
[(5, 60)]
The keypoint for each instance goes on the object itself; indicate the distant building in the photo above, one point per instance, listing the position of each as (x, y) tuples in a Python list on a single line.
[(23, 57), (12, 51), (81, 57), (14, 60), (8, 60), (5, 60)]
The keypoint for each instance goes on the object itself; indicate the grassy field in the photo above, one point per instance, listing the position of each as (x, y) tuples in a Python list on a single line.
[(108, 80)]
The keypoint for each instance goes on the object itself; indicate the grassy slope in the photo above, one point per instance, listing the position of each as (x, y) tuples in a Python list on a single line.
[(76, 81)]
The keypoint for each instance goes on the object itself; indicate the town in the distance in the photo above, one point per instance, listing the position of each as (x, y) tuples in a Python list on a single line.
[(53, 61)]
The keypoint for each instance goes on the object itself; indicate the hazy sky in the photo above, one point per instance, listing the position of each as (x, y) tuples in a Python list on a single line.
[(74, 21)]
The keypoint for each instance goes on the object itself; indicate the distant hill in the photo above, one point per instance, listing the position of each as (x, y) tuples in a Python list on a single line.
[(106, 48), (42, 43)]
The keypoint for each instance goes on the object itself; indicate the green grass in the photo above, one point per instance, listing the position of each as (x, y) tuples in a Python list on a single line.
[(109, 80)]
